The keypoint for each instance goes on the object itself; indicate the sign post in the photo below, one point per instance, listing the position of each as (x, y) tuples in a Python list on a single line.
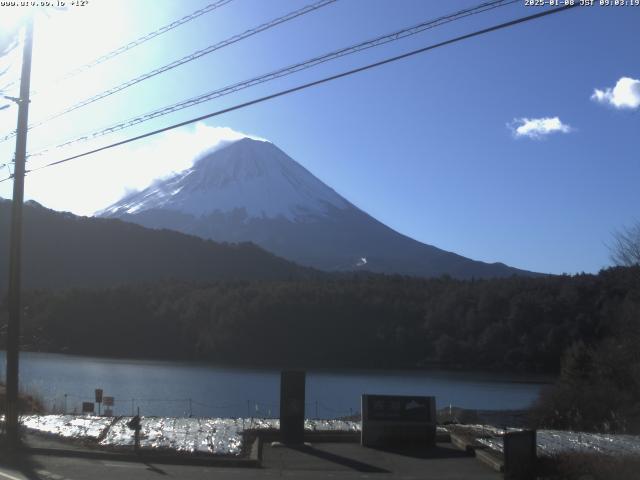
[(99, 398), (108, 405)]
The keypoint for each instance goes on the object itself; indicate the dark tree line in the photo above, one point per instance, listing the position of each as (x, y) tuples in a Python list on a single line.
[(347, 320), (61, 250), (598, 388)]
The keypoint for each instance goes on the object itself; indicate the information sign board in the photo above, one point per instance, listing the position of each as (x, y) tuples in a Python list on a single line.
[(391, 420)]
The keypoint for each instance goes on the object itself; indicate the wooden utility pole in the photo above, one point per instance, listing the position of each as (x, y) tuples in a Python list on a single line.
[(15, 253)]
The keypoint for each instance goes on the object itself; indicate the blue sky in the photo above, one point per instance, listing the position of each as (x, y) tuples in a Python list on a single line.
[(427, 145)]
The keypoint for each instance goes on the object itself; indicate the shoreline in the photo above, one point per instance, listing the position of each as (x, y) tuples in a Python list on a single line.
[(536, 378)]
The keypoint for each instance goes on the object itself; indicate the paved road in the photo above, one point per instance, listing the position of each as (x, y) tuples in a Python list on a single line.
[(321, 461)]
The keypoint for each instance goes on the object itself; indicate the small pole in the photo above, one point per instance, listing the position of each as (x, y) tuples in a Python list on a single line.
[(190, 409), (317, 410), (248, 408), (137, 432), (65, 403), (132, 406)]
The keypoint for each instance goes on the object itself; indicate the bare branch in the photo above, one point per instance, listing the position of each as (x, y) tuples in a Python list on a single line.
[(625, 250)]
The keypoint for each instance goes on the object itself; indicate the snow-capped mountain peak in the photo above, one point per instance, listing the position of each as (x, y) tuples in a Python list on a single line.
[(250, 190), (250, 175)]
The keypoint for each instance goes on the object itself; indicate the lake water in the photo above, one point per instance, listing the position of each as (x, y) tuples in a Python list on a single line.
[(180, 389)]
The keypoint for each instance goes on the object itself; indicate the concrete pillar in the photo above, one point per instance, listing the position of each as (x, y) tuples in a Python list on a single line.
[(292, 399), (520, 455)]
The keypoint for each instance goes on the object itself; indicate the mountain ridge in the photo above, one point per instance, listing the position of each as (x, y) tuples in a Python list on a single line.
[(62, 250), (251, 190)]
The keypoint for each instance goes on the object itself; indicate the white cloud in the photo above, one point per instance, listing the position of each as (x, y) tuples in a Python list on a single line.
[(626, 94), (92, 183), (169, 153), (538, 127)]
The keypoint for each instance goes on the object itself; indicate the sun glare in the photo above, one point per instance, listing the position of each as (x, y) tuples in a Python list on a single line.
[(12, 19), (65, 39)]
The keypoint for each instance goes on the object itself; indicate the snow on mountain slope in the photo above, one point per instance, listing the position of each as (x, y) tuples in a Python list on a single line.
[(248, 174), (252, 191)]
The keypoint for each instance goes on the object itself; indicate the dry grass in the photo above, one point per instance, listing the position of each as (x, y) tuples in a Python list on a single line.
[(590, 466), (30, 402)]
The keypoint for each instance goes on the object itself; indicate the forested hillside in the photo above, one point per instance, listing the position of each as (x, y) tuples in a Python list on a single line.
[(352, 320), (62, 250)]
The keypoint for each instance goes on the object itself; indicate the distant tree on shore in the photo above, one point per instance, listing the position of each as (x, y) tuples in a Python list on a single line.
[(599, 385)]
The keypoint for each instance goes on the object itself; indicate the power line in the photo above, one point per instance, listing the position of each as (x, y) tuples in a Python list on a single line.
[(314, 83), (289, 70), (138, 41), (176, 63)]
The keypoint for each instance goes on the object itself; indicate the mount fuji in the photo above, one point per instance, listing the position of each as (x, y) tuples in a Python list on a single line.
[(250, 190)]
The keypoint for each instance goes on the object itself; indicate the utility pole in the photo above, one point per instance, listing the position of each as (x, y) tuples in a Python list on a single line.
[(15, 254)]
